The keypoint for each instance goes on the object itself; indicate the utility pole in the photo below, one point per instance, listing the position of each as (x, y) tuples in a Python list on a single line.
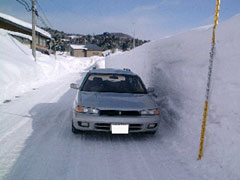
[(133, 36), (55, 49), (33, 29), (134, 41)]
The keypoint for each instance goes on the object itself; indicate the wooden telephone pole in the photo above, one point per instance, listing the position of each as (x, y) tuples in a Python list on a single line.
[(33, 29)]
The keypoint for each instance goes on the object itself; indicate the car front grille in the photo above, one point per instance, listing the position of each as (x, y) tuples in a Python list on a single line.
[(135, 127), (118, 113), (107, 126), (103, 126)]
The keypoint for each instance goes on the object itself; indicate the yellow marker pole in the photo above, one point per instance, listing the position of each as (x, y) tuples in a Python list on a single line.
[(205, 113)]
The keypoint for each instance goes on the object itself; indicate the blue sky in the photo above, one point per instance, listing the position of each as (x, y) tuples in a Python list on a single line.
[(149, 19)]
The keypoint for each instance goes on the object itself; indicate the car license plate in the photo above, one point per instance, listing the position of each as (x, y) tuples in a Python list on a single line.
[(119, 128)]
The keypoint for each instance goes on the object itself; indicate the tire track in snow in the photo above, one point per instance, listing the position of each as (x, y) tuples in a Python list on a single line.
[(11, 146), (14, 129)]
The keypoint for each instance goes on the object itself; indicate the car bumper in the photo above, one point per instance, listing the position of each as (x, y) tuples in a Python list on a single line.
[(88, 122)]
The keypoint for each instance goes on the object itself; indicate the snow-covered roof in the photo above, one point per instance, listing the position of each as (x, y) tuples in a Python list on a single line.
[(75, 37), (78, 46), (23, 24), (65, 40), (19, 34), (90, 47), (93, 47)]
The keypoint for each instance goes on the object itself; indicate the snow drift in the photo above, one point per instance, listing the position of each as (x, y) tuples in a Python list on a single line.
[(20, 73), (177, 67)]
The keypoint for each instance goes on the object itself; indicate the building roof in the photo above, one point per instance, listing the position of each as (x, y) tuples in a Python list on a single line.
[(22, 24), (19, 34), (93, 47), (78, 46), (111, 71), (90, 47)]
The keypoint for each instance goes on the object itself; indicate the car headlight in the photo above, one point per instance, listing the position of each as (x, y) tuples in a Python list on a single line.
[(150, 112), (88, 110)]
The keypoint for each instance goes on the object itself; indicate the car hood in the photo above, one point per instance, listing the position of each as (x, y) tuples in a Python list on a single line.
[(116, 101)]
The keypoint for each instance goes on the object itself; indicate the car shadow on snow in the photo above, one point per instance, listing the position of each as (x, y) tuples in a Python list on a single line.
[(168, 100), (50, 123)]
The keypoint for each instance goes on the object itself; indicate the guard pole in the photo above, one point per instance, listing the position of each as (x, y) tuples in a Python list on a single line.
[(212, 53)]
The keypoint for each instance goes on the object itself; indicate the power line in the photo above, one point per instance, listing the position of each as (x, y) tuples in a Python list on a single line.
[(25, 4), (45, 17), (42, 20)]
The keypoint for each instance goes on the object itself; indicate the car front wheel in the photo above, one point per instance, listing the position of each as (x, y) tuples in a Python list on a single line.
[(74, 130)]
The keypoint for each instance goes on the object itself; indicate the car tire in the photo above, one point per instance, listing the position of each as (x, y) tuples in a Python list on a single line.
[(74, 130)]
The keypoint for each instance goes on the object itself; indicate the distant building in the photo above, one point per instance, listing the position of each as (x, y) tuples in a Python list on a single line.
[(85, 50), (23, 31), (107, 52)]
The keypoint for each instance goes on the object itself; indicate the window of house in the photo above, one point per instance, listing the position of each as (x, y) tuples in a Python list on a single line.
[(44, 42), (38, 40), (95, 53)]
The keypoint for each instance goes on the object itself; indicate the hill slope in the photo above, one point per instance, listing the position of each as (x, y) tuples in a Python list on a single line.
[(106, 40)]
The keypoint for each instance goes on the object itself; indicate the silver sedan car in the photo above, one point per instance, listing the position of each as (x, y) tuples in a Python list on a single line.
[(115, 101)]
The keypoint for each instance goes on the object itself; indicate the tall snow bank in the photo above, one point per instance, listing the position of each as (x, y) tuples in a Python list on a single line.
[(177, 67), (20, 73)]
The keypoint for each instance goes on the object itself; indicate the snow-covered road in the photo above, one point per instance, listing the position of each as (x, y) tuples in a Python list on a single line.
[(37, 143)]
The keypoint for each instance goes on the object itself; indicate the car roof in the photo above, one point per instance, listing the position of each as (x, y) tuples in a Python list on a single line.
[(112, 71)]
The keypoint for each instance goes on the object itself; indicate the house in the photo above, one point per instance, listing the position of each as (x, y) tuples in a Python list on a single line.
[(107, 52), (85, 50), (23, 32)]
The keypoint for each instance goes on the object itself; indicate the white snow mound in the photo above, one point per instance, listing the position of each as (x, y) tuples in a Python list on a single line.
[(177, 67), (20, 73)]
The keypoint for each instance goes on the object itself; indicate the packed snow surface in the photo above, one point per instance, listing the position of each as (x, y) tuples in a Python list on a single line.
[(36, 141)]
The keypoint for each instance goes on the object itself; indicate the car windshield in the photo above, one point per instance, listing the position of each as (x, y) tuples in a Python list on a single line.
[(114, 83)]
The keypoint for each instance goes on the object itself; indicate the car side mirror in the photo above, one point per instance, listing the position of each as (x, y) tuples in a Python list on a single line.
[(74, 86), (150, 90)]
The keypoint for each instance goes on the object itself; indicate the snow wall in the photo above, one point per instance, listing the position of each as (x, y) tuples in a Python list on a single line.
[(177, 67), (20, 73)]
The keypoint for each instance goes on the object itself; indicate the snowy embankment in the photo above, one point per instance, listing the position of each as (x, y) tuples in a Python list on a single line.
[(177, 67), (19, 73)]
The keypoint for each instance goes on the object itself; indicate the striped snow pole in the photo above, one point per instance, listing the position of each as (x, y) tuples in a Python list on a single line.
[(212, 53)]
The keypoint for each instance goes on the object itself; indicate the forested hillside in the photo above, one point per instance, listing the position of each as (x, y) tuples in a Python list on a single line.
[(106, 40)]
